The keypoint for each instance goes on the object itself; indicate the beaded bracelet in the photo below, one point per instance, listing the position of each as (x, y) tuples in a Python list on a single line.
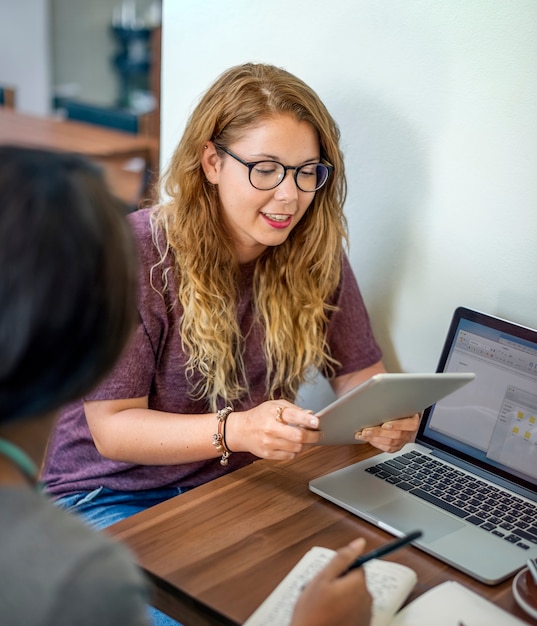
[(219, 440)]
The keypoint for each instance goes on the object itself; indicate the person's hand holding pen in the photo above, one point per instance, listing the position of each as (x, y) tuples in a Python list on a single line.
[(333, 598), (337, 595)]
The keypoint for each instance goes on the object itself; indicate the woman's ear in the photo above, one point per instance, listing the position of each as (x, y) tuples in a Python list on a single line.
[(210, 162)]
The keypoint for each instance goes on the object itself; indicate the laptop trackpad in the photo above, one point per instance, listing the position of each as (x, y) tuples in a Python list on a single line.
[(404, 515)]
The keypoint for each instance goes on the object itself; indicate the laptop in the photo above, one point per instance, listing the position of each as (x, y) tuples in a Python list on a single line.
[(469, 482)]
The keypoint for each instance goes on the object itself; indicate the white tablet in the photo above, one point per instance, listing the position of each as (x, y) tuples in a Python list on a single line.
[(382, 398)]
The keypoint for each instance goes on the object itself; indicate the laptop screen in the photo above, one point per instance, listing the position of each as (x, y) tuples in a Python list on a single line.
[(492, 421)]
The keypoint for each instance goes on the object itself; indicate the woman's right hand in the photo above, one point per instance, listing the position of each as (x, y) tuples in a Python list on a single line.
[(275, 429), (127, 430), (331, 598)]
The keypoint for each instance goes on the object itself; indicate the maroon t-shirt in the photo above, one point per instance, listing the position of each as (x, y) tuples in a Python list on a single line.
[(153, 365)]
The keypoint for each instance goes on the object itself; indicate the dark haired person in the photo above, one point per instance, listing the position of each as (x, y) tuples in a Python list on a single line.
[(66, 309)]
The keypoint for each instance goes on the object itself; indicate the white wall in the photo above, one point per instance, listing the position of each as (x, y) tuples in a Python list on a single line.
[(25, 53), (437, 104), (83, 49)]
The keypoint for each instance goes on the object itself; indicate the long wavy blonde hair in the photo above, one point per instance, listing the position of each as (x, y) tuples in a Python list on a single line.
[(293, 282)]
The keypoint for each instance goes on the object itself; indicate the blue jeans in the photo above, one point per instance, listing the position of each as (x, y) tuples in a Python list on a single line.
[(103, 507)]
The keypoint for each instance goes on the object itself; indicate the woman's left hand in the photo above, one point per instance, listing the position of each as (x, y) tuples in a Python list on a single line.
[(391, 436)]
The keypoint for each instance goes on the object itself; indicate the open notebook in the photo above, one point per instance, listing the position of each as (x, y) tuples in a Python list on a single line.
[(389, 583), (470, 480)]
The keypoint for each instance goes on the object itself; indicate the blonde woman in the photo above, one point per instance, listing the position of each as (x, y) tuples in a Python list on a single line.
[(244, 292)]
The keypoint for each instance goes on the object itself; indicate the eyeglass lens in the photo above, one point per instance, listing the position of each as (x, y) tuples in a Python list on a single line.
[(266, 175)]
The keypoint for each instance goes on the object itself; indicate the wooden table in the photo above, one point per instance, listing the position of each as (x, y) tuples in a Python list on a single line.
[(70, 136), (214, 554), (111, 148)]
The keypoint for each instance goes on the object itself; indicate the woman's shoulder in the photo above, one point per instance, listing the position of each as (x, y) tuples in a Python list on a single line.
[(140, 222), (149, 239)]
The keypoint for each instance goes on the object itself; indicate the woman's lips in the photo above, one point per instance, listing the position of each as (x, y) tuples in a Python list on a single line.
[(277, 220)]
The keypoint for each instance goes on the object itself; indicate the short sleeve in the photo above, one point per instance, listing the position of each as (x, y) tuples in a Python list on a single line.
[(132, 375), (134, 372), (350, 336)]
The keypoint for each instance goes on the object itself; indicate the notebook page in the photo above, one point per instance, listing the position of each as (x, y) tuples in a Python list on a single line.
[(389, 584), (451, 604)]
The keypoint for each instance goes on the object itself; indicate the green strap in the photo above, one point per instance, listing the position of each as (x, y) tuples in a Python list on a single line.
[(20, 459)]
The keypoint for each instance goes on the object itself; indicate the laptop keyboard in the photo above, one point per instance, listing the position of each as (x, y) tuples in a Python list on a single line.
[(488, 507)]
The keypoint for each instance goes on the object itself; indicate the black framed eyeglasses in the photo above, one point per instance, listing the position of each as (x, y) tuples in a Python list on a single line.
[(266, 175)]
